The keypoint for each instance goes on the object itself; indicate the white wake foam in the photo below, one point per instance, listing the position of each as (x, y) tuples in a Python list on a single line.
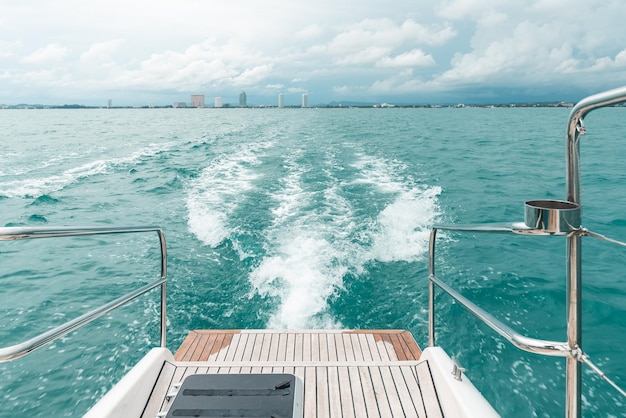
[(316, 239), (216, 192)]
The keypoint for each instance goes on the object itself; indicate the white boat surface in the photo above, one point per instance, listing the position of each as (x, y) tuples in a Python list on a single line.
[(338, 373)]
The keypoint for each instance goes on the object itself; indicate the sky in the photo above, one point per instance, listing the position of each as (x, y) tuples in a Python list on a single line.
[(136, 52)]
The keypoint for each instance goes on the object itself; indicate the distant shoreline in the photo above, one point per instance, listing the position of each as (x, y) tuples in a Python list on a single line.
[(321, 106)]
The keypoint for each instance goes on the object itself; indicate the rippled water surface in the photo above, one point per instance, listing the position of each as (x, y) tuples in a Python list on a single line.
[(304, 218)]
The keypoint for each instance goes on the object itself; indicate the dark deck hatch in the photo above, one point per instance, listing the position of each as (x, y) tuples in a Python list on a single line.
[(237, 395)]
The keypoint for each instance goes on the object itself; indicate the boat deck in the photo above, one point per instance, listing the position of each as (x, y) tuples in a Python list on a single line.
[(344, 373)]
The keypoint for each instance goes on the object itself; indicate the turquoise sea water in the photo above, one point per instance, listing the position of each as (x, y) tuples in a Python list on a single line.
[(304, 218)]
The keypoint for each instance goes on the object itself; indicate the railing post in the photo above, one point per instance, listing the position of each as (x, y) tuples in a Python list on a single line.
[(163, 288), (575, 129), (431, 288), (573, 375)]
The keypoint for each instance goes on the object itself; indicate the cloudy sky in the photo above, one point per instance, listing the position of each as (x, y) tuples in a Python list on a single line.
[(398, 51)]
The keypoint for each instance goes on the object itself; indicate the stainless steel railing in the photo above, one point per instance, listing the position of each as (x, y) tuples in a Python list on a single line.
[(18, 233), (546, 218), (545, 347)]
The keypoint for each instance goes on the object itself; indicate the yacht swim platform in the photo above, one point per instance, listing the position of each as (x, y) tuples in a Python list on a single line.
[(343, 373), (337, 373)]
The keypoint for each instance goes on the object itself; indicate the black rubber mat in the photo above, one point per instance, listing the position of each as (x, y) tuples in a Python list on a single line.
[(235, 395)]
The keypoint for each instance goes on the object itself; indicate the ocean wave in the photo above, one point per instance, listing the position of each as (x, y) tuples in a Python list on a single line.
[(37, 187), (44, 200)]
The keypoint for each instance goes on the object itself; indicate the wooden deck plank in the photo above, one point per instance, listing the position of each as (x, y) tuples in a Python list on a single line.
[(323, 407), (306, 347), (315, 347), (186, 345), (249, 347), (323, 347), (356, 347), (347, 346), (331, 347), (217, 346), (282, 347), (265, 348), (347, 391), (388, 344), (378, 388), (391, 392), (273, 351), (334, 393), (410, 377), (403, 392), (369, 393), (310, 394), (298, 347), (427, 390), (381, 346), (258, 346), (340, 348), (225, 347), (209, 346), (412, 349), (367, 354), (198, 348), (358, 400), (237, 345), (290, 353), (231, 349), (373, 347)]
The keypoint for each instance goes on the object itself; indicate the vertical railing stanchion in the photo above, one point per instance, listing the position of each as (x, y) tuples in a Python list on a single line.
[(575, 129), (431, 288), (163, 289)]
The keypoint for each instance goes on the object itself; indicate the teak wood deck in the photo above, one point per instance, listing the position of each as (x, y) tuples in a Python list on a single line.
[(344, 373)]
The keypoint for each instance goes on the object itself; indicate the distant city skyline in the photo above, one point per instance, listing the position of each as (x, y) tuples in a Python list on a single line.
[(418, 51)]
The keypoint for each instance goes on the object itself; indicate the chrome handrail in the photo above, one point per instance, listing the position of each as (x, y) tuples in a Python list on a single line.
[(533, 345), (18, 233), (572, 349)]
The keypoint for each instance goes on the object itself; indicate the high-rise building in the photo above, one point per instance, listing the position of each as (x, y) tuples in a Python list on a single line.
[(243, 100), (197, 100), (281, 100), (109, 103), (305, 100), (218, 102)]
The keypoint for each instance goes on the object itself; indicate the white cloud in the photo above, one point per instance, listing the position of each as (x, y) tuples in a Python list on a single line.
[(253, 75), (102, 52), (367, 55), (310, 32), (296, 90), (414, 58), (462, 9), (8, 49), (48, 54), (328, 48)]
